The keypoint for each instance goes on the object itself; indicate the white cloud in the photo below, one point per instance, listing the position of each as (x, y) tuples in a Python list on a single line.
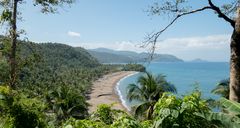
[(73, 34), (209, 42), (120, 46), (213, 47)]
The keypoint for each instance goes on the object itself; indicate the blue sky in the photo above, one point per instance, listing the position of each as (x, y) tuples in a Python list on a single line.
[(123, 24)]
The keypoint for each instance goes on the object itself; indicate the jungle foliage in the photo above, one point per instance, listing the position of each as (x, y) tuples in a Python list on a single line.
[(189, 111), (53, 83)]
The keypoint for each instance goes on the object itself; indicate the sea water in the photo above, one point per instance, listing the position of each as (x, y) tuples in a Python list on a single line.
[(186, 76)]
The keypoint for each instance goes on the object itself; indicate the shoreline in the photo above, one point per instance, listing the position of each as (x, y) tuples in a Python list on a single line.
[(105, 91), (118, 92)]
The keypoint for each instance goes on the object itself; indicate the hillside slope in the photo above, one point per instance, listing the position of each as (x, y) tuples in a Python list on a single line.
[(54, 54), (104, 57)]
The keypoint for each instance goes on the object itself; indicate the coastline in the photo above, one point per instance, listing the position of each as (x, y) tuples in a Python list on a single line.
[(118, 91), (105, 91)]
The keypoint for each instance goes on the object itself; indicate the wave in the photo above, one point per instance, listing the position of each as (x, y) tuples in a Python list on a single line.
[(119, 92)]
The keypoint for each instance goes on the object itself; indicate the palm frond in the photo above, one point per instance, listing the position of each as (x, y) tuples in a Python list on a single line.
[(222, 88), (168, 87), (148, 90), (134, 92), (140, 111)]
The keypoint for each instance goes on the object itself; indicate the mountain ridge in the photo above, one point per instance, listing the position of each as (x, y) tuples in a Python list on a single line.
[(105, 55)]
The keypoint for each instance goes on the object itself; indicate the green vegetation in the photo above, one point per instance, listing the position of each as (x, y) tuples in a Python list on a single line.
[(105, 117), (170, 111), (148, 91), (134, 67), (104, 57), (222, 88), (17, 110), (53, 81), (9, 18), (229, 117), (175, 112), (46, 85)]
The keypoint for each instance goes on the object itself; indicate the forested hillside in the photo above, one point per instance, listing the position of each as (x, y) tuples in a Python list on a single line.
[(105, 57), (59, 62), (52, 83), (51, 78), (55, 54)]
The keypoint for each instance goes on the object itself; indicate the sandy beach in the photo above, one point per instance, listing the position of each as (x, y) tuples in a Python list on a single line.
[(103, 91)]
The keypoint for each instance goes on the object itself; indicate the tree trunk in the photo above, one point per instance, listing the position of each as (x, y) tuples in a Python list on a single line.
[(13, 32), (235, 62)]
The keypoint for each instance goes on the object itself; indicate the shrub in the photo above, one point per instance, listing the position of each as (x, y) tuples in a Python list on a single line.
[(20, 111), (171, 111)]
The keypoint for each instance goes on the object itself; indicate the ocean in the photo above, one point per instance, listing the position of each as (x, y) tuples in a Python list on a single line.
[(184, 75)]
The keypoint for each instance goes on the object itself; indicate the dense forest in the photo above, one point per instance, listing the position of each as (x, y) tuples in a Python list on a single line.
[(53, 83)]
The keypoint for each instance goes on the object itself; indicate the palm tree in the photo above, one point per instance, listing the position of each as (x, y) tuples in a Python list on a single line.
[(67, 102), (148, 90), (222, 88)]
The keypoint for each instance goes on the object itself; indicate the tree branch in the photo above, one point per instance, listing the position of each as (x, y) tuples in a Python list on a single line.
[(152, 38), (220, 14)]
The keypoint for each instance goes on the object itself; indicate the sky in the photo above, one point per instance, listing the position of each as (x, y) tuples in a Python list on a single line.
[(124, 24)]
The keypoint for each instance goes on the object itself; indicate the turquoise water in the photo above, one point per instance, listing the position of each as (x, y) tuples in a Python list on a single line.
[(184, 75)]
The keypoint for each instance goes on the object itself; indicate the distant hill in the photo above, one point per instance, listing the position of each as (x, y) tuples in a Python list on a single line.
[(166, 58), (198, 60), (104, 55)]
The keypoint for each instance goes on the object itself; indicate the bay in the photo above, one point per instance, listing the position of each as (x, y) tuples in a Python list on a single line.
[(184, 75)]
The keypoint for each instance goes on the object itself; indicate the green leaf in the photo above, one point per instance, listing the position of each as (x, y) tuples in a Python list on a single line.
[(231, 106), (229, 121), (165, 112), (175, 113), (158, 123), (6, 15)]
